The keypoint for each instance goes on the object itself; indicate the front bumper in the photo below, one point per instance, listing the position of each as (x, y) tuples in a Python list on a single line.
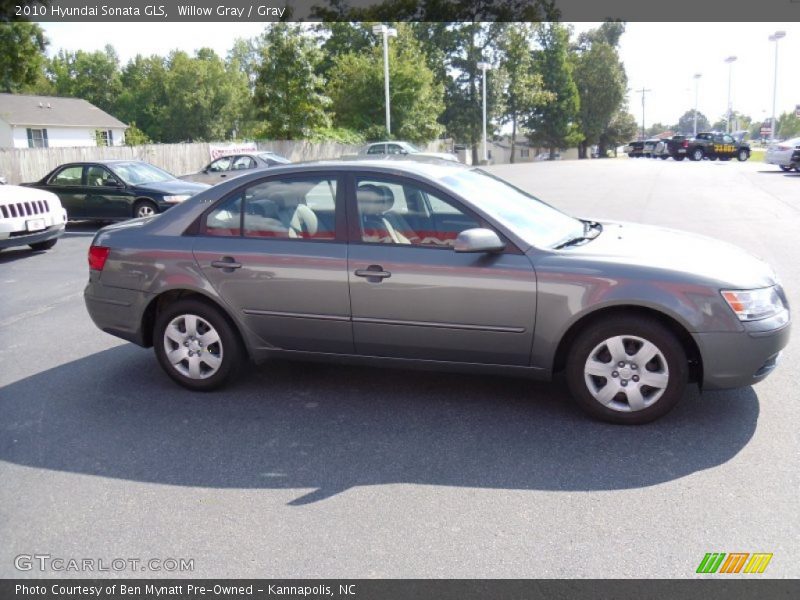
[(23, 239), (739, 359)]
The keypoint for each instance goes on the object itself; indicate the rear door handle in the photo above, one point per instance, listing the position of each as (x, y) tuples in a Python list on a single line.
[(227, 262), (373, 273)]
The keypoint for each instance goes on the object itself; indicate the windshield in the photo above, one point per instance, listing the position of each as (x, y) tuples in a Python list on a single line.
[(137, 173), (537, 223)]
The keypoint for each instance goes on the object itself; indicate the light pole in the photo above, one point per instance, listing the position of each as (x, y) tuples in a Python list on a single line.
[(484, 66), (730, 60), (643, 91), (387, 32), (774, 38), (697, 77)]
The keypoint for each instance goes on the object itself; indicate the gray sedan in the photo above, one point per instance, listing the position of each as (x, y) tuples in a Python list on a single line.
[(235, 165), (435, 266)]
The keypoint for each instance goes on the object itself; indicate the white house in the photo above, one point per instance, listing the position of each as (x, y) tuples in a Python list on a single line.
[(51, 122)]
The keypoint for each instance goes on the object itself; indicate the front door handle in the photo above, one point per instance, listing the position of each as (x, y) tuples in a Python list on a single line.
[(373, 273), (227, 262)]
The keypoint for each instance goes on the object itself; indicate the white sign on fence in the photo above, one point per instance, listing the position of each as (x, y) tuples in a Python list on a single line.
[(217, 150)]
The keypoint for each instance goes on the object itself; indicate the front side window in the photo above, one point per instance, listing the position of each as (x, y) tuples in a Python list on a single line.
[(296, 209), (99, 177), (68, 176), (392, 212), (221, 164)]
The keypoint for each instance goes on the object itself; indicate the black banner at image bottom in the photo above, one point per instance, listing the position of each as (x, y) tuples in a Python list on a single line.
[(391, 589)]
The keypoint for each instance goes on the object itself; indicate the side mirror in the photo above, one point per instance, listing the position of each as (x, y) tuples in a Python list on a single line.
[(478, 240)]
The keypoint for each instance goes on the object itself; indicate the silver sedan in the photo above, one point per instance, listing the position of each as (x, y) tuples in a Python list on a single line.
[(425, 265)]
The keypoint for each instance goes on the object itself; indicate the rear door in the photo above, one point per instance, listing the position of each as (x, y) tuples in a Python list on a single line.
[(68, 185), (414, 297), (278, 259)]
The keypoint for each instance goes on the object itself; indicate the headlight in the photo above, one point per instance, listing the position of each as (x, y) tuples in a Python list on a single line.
[(750, 305), (176, 199)]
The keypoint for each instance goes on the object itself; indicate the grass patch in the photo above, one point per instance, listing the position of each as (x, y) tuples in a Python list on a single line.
[(757, 155)]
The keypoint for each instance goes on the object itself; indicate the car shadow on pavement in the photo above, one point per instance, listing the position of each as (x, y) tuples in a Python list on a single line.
[(329, 428)]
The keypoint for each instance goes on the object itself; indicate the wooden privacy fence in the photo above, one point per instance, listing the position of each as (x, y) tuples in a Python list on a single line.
[(19, 165)]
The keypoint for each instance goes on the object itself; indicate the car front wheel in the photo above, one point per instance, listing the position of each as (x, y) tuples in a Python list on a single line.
[(743, 155), (144, 208), (196, 345), (697, 154), (627, 370), (46, 245)]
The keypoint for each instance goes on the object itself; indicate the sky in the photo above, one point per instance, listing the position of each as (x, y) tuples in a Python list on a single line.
[(662, 57)]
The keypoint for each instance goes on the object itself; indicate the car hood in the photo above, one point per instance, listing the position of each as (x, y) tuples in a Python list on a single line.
[(173, 186), (16, 193), (686, 255)]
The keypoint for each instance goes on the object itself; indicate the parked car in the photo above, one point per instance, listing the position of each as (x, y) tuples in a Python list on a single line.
[(112, 190), (711, 145), (649, 147), (401, 148), (435, 265), (231, 166), (547, 156), (781, 153), (30, 217), (634, 149)]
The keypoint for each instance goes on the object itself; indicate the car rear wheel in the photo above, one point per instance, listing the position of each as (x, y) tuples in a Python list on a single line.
[(627, 370), (785, 168), (144, 208), (743, 155), (43, 245), (196, 345), (697, 154)]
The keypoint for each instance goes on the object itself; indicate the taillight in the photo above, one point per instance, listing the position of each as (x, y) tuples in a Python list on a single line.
[(97, 257), (685, 143)]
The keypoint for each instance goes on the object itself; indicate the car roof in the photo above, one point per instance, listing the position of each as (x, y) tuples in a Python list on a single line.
[(433, 168)]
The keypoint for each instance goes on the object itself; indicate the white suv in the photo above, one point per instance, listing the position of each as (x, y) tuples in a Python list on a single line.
[(30, 217)]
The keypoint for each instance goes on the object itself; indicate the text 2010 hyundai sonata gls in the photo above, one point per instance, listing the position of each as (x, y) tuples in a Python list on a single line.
[(435, 265)]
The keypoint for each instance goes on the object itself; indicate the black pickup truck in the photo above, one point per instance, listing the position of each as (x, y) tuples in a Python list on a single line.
[(710, 145)]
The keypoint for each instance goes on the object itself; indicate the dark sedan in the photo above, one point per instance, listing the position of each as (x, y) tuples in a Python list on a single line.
[(231, 166), (435, 266), (114, 190)]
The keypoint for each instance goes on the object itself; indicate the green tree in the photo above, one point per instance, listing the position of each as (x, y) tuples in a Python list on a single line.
[(135, 136), (288, 91), (92, 76), (555, 124), (143, 99), (788, 126), (601, 82), (340, 38), (22, 47), (522, 90), (415, 100), (685, 124), (621, 129)]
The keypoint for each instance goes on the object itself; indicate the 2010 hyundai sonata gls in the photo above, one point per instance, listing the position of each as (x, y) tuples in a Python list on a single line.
[(435, 265)]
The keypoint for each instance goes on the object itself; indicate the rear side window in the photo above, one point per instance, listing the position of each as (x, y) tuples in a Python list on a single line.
[(293, 209), (68, 176)]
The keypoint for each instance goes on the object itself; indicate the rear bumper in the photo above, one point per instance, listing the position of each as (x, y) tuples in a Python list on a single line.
[(117, 311), (739, 359)]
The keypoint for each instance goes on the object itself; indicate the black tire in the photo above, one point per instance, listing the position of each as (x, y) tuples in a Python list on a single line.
[(635, 327), (40, 246), (696, 154), (230, 349), (144, 208), (743, 155), (679, 157), (664, 157), (785, 168), (712, 158)]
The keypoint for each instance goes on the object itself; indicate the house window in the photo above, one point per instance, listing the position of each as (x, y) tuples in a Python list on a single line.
[(105, 137), (37, 138), (524, 152)]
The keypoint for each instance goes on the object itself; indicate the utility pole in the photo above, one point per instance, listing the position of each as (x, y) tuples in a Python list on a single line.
[(730, 60), (484, 66), (778, 35), (386, 32), (697, 77), (643, 91)]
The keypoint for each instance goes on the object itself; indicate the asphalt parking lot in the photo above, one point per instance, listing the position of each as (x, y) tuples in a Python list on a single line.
[(307, 470)]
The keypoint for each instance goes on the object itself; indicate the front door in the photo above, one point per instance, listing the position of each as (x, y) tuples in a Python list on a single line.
[(280, 261), (413, 296), (106, 197)]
